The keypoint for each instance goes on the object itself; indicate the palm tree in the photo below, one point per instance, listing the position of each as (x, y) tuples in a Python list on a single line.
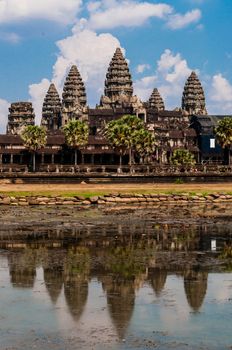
[(34, 138), (128, 133), (224, 134), (145, 143), (76, 135), (182, 157)]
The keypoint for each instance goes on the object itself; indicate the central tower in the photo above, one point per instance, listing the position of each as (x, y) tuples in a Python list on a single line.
[(118, 83)]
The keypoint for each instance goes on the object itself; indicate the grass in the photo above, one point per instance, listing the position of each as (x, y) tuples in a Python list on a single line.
[(89, 190), (55, 191)]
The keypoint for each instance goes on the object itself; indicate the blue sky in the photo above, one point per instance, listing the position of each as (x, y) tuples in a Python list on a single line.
[(163, 41)]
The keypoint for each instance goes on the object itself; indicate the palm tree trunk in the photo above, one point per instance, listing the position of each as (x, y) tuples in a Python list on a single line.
[(120, 159), (75, 157), (130, 156), (33, 161)]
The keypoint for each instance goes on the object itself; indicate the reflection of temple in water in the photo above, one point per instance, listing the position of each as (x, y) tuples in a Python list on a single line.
[(22, 268), (76, 295), (53, 275), (121, 264), (120, 300), (76, 276), (195, 285), (157, 277)]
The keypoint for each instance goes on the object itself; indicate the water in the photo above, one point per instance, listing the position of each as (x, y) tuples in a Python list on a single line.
[(130, 280)]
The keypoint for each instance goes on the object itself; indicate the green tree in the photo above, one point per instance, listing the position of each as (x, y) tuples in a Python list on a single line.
[(34, 138), (224, 135), (144, 143), (129, 133), (76, 135), (182, 157)]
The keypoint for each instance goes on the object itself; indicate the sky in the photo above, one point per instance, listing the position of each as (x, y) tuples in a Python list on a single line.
[(163, 42)]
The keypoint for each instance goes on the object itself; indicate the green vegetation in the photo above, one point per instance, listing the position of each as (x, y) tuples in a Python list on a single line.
[(34, 138), (227, 252), (224, 135), (130, 261), (179, 181), (91, 193), (76, 135), (182, 157), (129, 134)]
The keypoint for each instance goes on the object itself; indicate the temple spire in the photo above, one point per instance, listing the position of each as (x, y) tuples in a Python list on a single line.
[(155, 101), (21, 114), (118, 83), (74, 96), (51, 112), (193, 100)]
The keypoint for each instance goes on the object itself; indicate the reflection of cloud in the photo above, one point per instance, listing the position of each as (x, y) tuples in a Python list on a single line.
[(95, 319), (220, 287)]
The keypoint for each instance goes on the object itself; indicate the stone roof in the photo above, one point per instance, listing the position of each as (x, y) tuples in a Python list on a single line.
[(193, 100), (74, 89), (155, 101)]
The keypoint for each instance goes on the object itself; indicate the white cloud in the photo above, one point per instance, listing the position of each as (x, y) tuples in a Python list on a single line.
[(173, 68), (111, 14), (10, 37), (37, 93), (170, 76), (220, 95), (143, 87), (63, 11), (142, 67), (91, 53), (4, 111), (178, 21), (222, 89)]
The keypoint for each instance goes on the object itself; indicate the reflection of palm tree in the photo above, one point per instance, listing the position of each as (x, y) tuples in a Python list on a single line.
[(195, 285), (120, 300), (76, 274), (158, 280), (22, 267)]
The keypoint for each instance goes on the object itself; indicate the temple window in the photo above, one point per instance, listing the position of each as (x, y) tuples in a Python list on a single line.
[(212, 143)]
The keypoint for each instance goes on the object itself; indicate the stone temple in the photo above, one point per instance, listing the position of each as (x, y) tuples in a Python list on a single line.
[(185, 127)]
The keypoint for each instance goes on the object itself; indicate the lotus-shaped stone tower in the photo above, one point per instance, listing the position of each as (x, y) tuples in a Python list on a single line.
[(51, 112), (155, 101), (193, 100)]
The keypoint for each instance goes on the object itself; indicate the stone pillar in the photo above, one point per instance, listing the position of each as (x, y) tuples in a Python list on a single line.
[(82, 158), (21, 159), (0, 158), (53, 158), (11, 158)]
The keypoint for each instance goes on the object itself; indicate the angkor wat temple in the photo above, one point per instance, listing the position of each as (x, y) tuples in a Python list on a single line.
[(188, 127)]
